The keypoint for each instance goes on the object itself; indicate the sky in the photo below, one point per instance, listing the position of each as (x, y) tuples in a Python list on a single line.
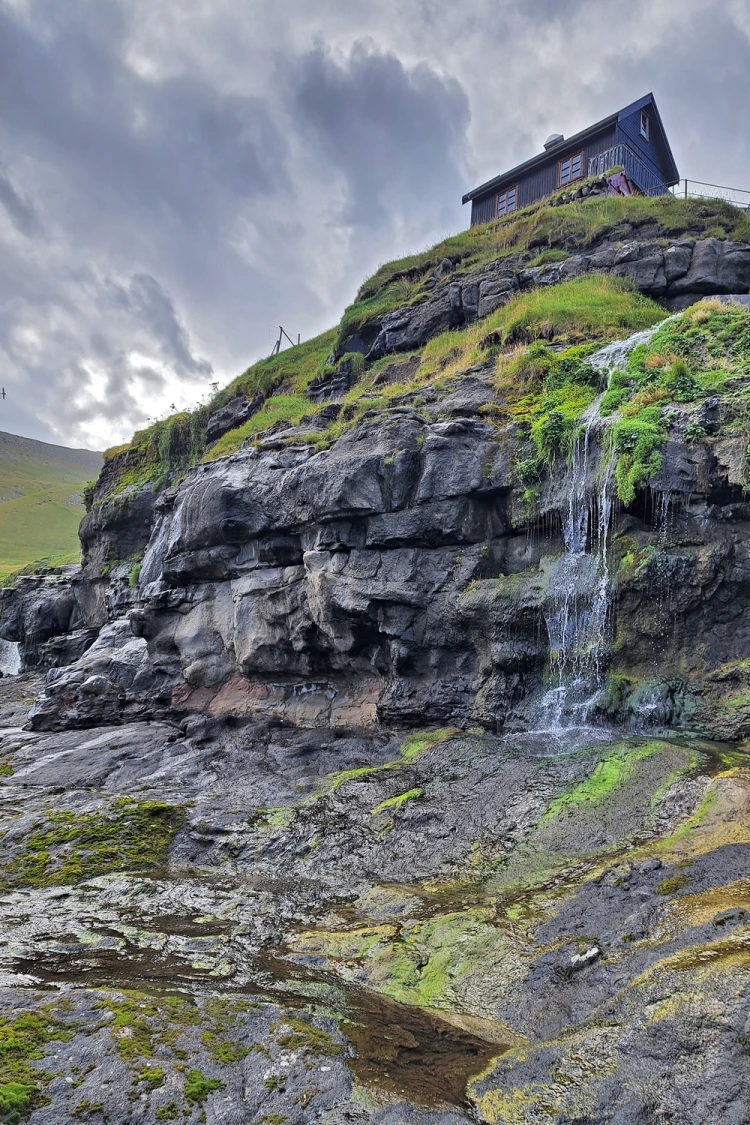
[(179, 177)]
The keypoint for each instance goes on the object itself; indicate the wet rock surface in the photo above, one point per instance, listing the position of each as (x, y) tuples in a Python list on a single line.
[(250, 921), (395, 578)]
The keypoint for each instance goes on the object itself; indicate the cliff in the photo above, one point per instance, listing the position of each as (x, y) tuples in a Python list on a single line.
[(388, 740)]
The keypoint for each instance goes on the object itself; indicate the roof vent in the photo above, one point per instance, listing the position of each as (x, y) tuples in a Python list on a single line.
[(552, 140)]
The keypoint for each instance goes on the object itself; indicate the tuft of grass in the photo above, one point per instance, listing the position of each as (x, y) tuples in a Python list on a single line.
[(592, 307)]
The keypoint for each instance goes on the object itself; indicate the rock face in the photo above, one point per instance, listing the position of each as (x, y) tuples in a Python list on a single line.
[(41, 614), (678, 273), (236, 411), (393, 580)]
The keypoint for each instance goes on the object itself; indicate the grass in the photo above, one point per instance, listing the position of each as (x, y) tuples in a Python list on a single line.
[(705, 351), (171, 445), (278, 408), (41, 501), (574, 226), (596, 306), (587, 308)]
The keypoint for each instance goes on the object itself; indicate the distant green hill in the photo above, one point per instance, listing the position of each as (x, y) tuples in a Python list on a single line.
[(41, 501)]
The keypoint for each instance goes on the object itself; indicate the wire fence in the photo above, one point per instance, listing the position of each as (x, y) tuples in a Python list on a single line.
[(695, 189)]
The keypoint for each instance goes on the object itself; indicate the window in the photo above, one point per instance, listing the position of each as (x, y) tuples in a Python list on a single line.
[(644, 124), (570, 169), (506, 201)]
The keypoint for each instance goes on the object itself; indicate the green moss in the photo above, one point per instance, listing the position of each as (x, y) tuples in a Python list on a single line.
[(610, 774), (168, 1112), (548, 391), (393, 804), (198, 1087), (6, 767), (412, 747), (152, 1076), (431, 957), (87, 1108), (67, 847), (636, 441), (669, 886), (16, 1100), (304, 1036), (706, 350), (221, 1050), (134, 576), (23, 1040)]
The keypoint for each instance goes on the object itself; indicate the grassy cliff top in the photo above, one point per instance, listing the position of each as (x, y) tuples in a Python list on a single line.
[(592, 308)]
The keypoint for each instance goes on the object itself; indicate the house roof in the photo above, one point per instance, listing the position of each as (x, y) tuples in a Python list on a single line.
[(580, 139)]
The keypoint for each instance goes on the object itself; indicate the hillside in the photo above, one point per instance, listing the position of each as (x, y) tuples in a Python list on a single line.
[(41, 500), (391, 767)]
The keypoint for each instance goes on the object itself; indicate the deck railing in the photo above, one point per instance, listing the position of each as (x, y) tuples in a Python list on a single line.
[(694, 189), (623, 157)]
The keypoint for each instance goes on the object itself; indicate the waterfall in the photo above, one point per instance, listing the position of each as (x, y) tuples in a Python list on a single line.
[(578, 586), (10, 658), (578, 583)]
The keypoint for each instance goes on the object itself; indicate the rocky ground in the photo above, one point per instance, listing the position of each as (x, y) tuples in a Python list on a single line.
[(238, 921), (297, 820)]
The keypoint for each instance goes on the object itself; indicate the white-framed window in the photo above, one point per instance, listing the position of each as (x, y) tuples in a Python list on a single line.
[(506, 201), (569, 169), (644, 125)]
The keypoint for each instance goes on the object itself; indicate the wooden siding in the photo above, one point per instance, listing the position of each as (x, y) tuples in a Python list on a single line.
[(541, 181), (629, 131), (483, 210)]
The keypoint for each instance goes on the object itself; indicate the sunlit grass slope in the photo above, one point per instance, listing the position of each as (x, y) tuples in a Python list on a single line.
[(41, 500)]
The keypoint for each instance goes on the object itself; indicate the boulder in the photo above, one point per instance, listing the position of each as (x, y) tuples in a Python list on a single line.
[(233, 414)]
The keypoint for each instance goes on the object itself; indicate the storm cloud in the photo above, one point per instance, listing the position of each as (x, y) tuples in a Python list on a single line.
[(177, 180)]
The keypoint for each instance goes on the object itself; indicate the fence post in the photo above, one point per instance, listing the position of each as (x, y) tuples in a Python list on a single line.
[(686, 189)]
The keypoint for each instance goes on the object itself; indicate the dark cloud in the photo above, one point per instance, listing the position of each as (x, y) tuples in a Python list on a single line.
[(177, 180), (20, 210), (393, 132)]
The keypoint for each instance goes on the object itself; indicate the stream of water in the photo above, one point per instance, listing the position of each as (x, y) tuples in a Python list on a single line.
[(579, 582)]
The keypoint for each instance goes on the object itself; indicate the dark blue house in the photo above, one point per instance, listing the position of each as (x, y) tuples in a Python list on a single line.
[(633, 139)]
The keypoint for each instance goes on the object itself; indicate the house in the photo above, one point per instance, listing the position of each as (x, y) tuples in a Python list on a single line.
[(632, 139)]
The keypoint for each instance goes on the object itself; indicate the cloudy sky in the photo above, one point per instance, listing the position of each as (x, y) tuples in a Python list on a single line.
[(178, 177)]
